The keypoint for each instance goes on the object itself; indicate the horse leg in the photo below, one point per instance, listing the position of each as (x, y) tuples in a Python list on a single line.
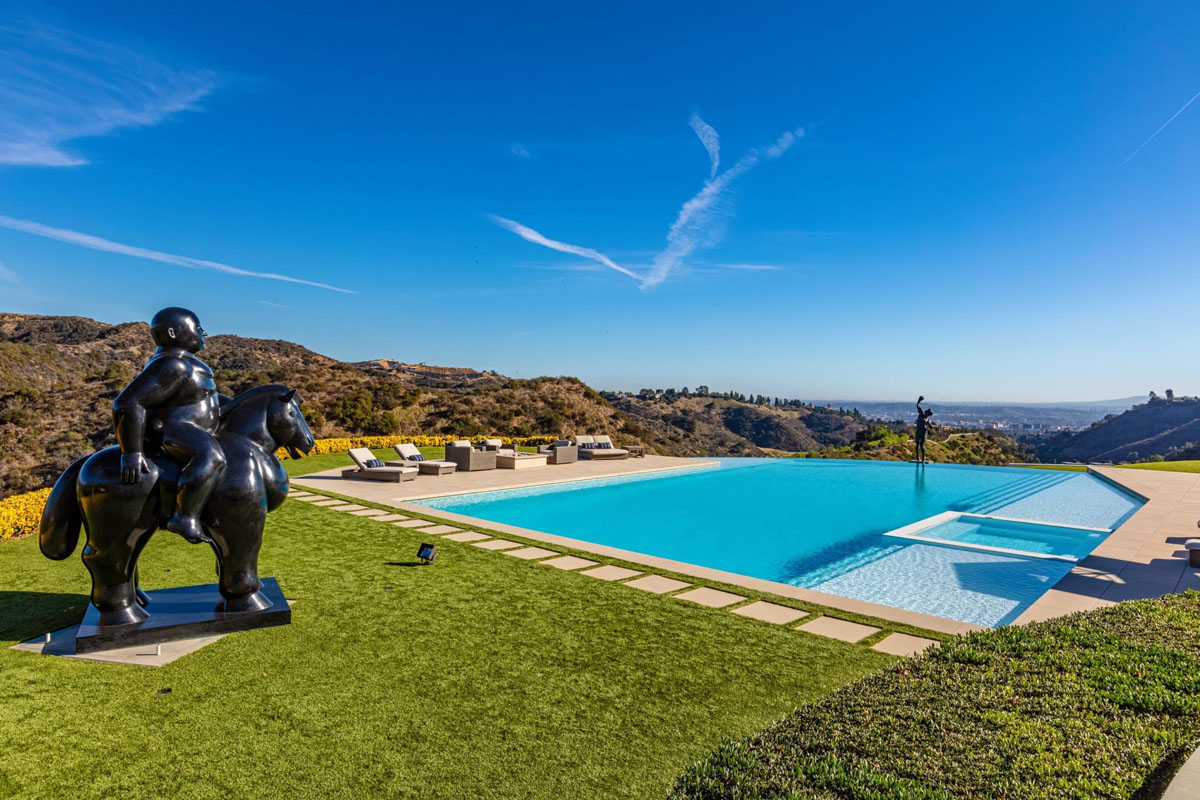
[(143, 599), (240, 541), (110, 562)]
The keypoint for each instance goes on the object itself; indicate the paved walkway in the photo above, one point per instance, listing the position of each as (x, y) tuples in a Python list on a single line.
[(1143, 558), (490, 480)]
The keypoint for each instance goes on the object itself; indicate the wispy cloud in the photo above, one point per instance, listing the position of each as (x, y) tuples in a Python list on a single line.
[(7, 274), (711, 141), (56, 86), (530, 235), (699, 221), (1161, 128), (96, 243), (751, 267), (272, 305), (520, 151)]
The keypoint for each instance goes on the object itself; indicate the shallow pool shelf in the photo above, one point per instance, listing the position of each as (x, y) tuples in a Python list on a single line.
[(992, 534)]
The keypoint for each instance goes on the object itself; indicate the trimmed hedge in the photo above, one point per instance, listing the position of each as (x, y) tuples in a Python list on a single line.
[(1103, 703), (21, 513)]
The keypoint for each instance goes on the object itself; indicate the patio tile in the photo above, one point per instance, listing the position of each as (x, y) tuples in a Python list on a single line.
[(901, 644), (840, 629), (568, 562), (465, 536), (531, 553), (658, 584), (770, 612), (440, 529), (368, 512), (349, 507), (312, 498), (497, 544), (331, 502), (298, 495), (389, 518), (608, 572), (713, 598), (412, 523)]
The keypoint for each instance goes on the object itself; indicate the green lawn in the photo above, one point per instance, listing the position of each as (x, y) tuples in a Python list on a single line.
[(480, 676), (1167, 466)]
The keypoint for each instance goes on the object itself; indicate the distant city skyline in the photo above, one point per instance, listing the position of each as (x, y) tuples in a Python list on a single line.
[(984, 203)]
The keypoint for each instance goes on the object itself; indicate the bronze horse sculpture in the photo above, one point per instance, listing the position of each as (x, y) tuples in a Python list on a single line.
[(120, 517)]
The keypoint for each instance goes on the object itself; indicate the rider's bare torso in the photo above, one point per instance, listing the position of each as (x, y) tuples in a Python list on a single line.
[(195, 399)]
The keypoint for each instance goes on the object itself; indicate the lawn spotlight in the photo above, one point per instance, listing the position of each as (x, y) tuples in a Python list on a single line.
[(427, 552)]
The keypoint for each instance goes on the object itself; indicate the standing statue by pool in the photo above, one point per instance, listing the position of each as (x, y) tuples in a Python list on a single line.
[(923, 428), (189, 460)]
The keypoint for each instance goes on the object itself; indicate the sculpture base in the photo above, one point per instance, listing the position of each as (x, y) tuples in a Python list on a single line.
[(183, 613)]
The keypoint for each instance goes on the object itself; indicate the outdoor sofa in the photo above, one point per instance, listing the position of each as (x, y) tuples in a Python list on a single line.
[(467, 459), (410, 456), (561, 452), (598, 448), (369, 468)]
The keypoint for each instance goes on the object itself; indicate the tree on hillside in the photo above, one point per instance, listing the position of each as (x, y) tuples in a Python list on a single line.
[(1170, 394)]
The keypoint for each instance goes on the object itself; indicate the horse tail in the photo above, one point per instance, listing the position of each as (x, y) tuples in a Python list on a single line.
[(62, 518)]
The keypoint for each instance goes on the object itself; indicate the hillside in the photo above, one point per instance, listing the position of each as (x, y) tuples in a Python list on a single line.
[(59, 375), (1161, 427), (894, 442)]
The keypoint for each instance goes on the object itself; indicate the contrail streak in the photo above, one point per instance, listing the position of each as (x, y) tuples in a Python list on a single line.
[(1160, 130)]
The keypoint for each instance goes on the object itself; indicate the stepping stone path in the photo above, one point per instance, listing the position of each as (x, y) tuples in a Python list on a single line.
[(497, 544), (901, 644), (367, 512), (312, 498), (658, 584), (331, 503), (840, 629), (413, 523), (568, 562), (439, 529), (610, 573), (531, 553), (349, 507), (389, 518), (770, 612), (465, 536), (299, 494), (713, 598)]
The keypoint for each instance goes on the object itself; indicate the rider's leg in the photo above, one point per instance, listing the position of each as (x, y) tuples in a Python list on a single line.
[(203, 462)]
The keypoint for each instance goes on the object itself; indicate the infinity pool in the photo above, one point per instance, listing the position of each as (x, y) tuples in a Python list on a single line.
[(820, 524)]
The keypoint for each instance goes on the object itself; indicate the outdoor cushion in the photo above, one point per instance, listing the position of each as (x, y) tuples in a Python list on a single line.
[(460, 443), (562, 443), (493, 442), (373, 463), (582, 440), (417, 457), (604, 445)]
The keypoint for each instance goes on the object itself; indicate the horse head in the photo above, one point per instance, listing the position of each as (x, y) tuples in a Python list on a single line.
[(269, 415)]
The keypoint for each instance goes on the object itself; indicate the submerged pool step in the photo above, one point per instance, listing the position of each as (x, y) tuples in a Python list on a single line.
[(922, 531)]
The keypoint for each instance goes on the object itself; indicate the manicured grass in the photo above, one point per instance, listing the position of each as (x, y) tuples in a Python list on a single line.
[(480, 676), (1167, 466), (1100, 704)]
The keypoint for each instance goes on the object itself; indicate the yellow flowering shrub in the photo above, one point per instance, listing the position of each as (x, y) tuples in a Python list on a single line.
[(21, 513), (343, 443)]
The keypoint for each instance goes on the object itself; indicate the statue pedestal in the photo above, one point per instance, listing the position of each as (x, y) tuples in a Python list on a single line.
[(182, 613)]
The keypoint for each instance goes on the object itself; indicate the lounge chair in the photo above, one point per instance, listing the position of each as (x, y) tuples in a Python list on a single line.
[(598, 448), (561, 452), (410, 456), (369, 468), (467, 458), (495, 445)]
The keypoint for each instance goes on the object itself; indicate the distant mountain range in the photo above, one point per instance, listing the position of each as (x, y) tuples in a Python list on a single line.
[(1158, 427), (1017, 418)]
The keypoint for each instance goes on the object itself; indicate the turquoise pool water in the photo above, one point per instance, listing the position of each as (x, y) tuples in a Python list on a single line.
[(820, 524), (1047, 540)]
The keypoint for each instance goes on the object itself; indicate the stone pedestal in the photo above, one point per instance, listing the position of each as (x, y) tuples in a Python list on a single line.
[(184, 612)]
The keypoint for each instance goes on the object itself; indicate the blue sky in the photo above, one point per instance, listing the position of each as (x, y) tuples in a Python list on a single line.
[(808, 200)]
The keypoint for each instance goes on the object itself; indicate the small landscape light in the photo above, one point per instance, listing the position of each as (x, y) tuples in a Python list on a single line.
[(427, 552)]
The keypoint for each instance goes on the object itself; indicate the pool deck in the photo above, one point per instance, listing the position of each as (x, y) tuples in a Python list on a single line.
[(1143, 558)]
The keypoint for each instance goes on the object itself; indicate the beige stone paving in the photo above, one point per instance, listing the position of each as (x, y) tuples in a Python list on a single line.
[(312, 498), (368, 512), (349, 507), (425, 486), (298, 494), (412, 523), (496, 544), (1143, 558), (390, 518), (440, 529), (608, 572), (713, 598), (657, 584), (328, 503), (901, 644), (465, 536), (568, 562), (530, 553), (840, 629), (770, 612)]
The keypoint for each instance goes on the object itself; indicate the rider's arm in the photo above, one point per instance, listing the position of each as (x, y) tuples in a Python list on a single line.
[(151, 388)]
